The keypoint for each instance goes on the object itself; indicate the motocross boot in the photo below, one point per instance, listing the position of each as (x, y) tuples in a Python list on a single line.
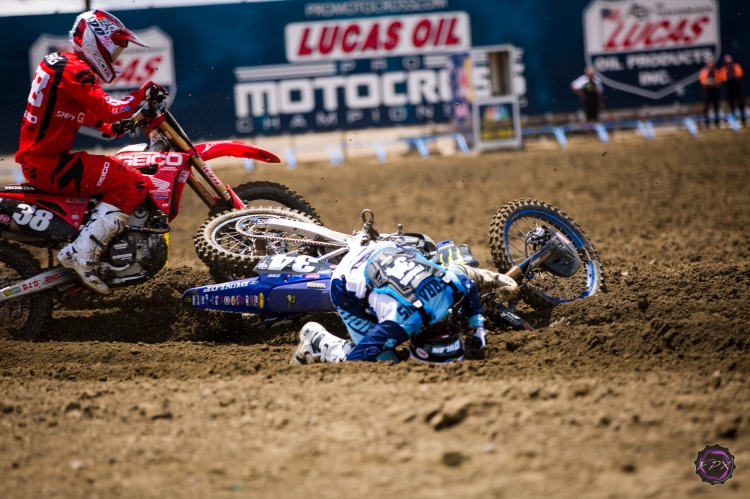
[(82, 255), (318, 345), (487, 281)]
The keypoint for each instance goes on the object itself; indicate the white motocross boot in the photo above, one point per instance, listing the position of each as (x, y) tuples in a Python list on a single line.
[(487, 281), (82, 255), (318, 345)]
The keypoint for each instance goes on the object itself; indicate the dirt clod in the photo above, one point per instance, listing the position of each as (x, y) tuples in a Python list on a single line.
[(453, 459), (452, 413)]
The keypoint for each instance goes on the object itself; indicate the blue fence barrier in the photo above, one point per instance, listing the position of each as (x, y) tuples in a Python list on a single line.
[(16, 172), (645, 127), (336, 152), (336, 155)]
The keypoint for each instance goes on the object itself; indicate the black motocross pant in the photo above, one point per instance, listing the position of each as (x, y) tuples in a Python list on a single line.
[(712, 99), (735, 98)]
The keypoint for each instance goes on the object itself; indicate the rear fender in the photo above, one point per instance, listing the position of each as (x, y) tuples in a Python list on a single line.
[(45, 216), (234, 148)]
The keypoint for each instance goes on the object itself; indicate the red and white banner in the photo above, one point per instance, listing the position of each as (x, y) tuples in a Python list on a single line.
[(637, 26), (650, 47), (378, 37)]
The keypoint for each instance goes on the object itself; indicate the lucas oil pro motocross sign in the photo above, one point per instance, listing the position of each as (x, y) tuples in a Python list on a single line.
[(354, 73), (651, 48)]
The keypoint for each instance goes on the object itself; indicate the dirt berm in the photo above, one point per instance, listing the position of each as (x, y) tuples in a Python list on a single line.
[(135, 396)]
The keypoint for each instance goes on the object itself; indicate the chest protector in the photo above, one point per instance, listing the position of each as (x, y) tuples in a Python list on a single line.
[(405, 275)]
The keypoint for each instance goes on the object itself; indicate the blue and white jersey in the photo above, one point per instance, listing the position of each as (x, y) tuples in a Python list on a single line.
[(362, 310)]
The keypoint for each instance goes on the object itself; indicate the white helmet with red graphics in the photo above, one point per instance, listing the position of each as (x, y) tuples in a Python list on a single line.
[(101, 37)]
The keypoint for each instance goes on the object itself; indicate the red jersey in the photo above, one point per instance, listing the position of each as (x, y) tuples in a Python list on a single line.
[(64, 96)]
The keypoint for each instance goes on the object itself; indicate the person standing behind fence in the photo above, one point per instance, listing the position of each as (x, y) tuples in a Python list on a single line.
[(589, 88), (710, 78), (732, 75)]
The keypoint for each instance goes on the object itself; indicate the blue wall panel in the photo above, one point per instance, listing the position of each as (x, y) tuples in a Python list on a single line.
[(209, 42)]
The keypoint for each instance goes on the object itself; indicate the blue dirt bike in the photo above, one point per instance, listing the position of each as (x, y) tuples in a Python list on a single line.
[(293, 256)]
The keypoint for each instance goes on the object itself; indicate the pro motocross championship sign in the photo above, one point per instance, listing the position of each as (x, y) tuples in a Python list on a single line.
[(377, 71), (651, 48)]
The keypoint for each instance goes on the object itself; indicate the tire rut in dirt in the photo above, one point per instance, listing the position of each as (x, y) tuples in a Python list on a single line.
[(151, 312)]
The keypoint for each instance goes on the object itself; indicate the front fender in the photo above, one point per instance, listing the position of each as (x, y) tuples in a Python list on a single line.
[(235, 148)]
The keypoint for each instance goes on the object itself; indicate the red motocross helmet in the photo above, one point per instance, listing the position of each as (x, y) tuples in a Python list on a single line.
[(101, 37)]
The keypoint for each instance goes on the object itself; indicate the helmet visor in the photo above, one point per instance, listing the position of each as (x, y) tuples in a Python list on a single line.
[(124, 35)]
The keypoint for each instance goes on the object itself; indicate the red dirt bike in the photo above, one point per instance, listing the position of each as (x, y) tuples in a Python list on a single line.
[(46, 220)]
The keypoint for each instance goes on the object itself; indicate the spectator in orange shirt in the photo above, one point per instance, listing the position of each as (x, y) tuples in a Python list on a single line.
[(710, 78), (732, 76)]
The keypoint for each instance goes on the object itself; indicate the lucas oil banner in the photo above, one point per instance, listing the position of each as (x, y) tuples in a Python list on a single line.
[(352, 73), (651, 48), (296, 66)]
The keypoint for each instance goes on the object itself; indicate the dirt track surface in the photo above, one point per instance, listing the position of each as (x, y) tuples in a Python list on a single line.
[(613, 399)]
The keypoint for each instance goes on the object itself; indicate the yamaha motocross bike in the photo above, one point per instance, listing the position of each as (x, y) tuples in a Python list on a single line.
[(536, 244), (45, 220)]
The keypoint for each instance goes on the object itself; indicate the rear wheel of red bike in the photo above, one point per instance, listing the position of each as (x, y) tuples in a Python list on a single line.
[(21, 318), (255, 194)]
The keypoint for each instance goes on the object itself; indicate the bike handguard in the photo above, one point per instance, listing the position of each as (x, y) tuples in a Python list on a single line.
[(553, 251), (564, 261)]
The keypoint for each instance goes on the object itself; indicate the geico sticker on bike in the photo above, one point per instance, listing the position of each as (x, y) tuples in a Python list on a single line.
[(153, 158)]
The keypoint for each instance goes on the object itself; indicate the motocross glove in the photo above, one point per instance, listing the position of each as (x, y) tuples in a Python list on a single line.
[(120, 128), (154, 92), (487, 281), (479, 339), (117, 129)]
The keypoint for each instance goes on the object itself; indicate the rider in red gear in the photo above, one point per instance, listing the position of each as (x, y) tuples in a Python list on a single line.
[(64, 96)]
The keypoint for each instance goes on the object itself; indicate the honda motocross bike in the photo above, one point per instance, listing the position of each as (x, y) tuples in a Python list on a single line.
[(539, 246), (46, 220)]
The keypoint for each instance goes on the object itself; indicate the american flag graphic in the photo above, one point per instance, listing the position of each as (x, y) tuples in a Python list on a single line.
[(611, 14)]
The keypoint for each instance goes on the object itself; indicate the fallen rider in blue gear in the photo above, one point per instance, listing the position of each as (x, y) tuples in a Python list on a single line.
[(387, 294)]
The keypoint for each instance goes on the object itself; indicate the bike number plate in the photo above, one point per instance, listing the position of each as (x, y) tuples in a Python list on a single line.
[(292, 263)]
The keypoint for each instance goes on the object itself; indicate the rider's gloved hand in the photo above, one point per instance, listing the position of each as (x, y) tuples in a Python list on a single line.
[(154, 92), (117, 129), (479, 339), (506, 287), (120, 128)]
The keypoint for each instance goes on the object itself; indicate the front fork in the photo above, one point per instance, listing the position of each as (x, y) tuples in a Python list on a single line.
[(167, 124)]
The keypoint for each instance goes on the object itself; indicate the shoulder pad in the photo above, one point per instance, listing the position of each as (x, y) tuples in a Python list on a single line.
[(55, 59)]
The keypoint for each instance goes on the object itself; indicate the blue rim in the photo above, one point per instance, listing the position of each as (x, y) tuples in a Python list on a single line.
[(569, 232)]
